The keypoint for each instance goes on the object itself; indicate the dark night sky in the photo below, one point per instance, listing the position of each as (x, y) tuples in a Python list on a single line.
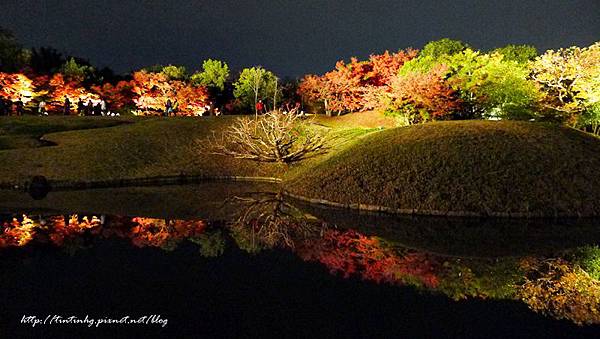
[(291, 37)]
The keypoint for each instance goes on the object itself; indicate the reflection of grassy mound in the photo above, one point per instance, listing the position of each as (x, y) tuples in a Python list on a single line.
[(466, 237), (478, 167)]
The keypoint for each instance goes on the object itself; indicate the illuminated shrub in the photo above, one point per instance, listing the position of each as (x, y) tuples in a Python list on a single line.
[(557, 288)]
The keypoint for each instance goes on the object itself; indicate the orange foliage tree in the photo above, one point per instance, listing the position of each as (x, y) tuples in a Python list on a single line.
[(343, 89), (152, 90), (57, 88), (417, 97), (15, 86), (117, 96)]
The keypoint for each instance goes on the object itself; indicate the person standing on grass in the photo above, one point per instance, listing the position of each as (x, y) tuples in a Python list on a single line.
[(98, 110), (103, 107), (260, 107), (168, 108), (175, 106), (67, 107), (9, 107), (80, 107), (3, 107), (89, 108), (42, 108), (20, 107)]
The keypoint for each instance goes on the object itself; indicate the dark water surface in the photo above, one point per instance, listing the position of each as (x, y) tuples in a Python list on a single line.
[(221, 260)]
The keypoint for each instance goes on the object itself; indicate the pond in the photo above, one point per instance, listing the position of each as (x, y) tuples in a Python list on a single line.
[(236, 259)]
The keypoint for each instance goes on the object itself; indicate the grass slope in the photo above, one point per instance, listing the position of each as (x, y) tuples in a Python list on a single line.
[(24, 132), (147, 148), (481, 167)]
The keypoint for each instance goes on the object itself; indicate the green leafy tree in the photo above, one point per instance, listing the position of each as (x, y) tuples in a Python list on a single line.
[(256, 84), (75, 71), (504, 90), (445, 46), (153, 69), (175, 72), (518, 53), (491, 86), (214, 75), (488, 85)]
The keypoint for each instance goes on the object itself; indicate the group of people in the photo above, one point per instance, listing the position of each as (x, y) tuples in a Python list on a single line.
[(7, 107), (89, 108), (285, 107), (171, 107)]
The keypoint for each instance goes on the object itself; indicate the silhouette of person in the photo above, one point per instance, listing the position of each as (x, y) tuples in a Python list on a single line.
[(89, 108), (175, 106), (3, 107), (67, 108), (97, 109), (80, 107), (20, 107), (168, 108)]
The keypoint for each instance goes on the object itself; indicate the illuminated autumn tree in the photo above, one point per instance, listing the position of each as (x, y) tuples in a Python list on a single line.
[(152, 90), (16, 86), (419, 97), (58, 88), (117, 96), (570, 81), (385, 66), (345, 89)]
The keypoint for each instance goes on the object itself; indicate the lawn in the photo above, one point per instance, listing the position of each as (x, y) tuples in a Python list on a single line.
[(457, 168), (462, 168), (143, 148)]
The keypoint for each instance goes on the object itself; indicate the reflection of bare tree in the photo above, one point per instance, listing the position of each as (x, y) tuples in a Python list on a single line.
[(266, 220)]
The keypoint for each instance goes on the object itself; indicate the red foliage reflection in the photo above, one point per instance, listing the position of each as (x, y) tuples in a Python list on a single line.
[(351, 253)]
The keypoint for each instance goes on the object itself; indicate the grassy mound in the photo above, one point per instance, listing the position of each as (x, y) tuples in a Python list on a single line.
[(148, 147), (24, 132), (478, 167)]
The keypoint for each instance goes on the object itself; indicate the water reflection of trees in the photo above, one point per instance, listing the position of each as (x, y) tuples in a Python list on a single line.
[(266, 220), (559, 285)]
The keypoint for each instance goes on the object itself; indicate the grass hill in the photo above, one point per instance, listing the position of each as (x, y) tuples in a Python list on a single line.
[(470, 167)]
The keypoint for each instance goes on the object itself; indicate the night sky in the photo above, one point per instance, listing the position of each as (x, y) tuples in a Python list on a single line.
[(290, 37)]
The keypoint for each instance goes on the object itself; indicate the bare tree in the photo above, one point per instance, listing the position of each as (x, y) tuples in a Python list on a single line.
[(273, 137)]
